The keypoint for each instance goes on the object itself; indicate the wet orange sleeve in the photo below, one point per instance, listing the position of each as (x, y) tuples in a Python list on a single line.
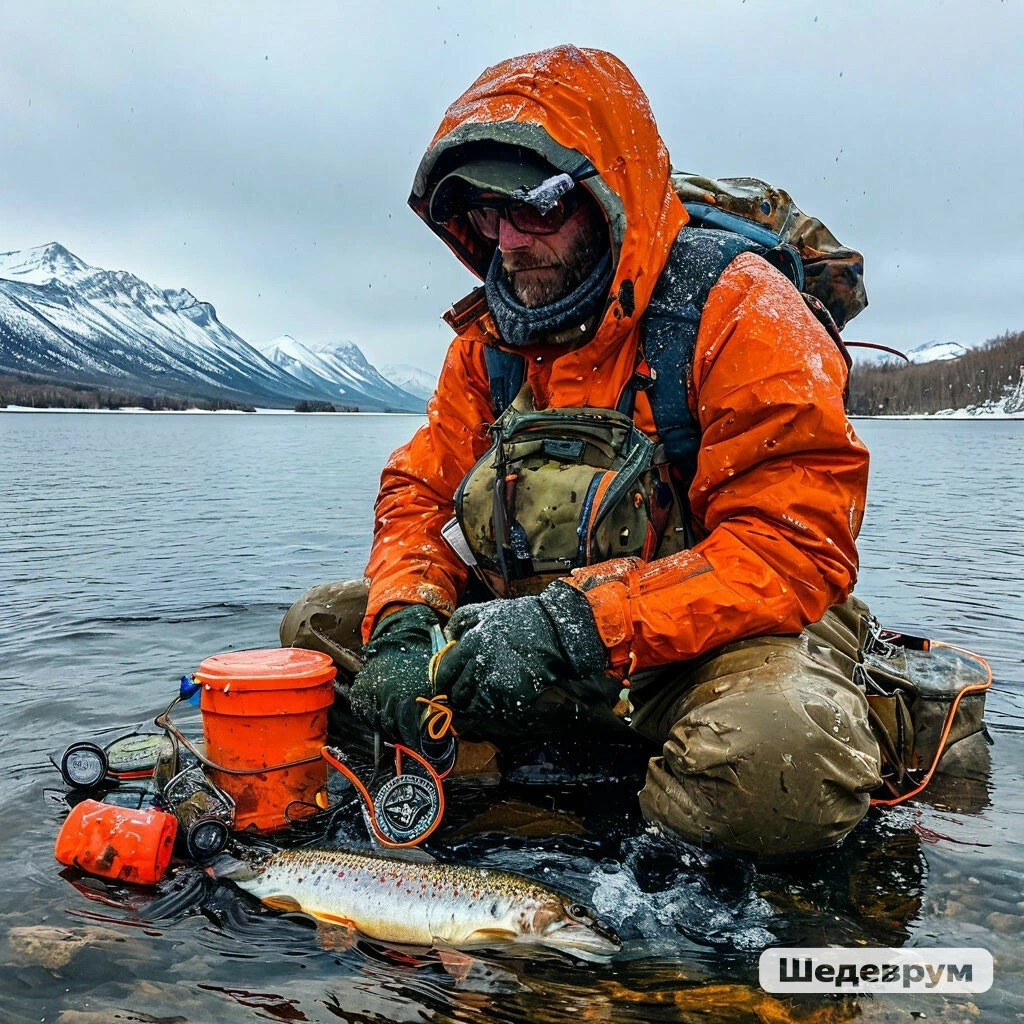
[(410, 562), (779, 489)]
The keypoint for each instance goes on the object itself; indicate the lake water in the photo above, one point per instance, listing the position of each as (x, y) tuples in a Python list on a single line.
[(134, 546)]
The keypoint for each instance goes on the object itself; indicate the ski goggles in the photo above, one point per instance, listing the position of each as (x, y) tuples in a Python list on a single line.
[(524, 217)]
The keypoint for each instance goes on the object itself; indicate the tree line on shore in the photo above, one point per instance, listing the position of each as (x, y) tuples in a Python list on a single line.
[(33, 393), (315, 406), (40, 394), (981, 375)]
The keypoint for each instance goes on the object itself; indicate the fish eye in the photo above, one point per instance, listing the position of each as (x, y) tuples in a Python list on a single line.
[(578, 912)]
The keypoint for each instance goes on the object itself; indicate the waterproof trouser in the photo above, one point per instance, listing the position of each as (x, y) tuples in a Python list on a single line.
[(766, 749)]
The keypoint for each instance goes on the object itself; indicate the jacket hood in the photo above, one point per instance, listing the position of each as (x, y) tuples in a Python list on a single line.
[(579, 110)]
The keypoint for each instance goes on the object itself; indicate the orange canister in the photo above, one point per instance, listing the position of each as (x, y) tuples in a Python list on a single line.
[(263, 709), (129, 844)]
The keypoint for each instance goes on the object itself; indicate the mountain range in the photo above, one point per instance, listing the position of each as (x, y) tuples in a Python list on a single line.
[(62, 320), (340, 371)]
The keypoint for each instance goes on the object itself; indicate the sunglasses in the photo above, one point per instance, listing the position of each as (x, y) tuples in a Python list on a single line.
[(525, 218)]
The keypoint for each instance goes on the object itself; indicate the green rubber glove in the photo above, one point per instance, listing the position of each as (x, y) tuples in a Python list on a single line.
[(394, 673), (508, 652)]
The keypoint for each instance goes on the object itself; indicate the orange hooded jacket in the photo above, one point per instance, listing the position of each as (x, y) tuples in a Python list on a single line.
[(781, 477)]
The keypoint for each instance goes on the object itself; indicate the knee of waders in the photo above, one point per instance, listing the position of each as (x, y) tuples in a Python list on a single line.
[(767, 774), (327, 618)]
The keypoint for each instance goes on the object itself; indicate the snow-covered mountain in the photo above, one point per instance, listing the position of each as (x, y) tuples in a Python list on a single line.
[(63, 320), (339, 370), (411, 378), (935, 351)]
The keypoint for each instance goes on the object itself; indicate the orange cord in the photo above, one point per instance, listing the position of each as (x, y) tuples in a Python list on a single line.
[(946, 728), (439, 724), (328, 755)]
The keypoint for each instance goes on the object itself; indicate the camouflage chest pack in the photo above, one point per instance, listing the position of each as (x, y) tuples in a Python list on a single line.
[(556, 490)]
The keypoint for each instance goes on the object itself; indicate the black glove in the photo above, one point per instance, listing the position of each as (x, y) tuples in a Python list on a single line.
[(395, 673), (509, 651)]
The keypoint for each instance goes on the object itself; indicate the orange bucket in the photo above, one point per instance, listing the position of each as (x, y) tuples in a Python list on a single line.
[(261, 709)]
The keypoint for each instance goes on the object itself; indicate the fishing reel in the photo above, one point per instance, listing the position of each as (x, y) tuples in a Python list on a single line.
[(205, 813), (403, 801)]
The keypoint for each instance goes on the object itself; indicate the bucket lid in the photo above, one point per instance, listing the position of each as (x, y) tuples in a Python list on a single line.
[(267, 668)]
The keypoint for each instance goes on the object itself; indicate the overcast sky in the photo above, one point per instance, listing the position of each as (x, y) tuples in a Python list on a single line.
[(260, 154)]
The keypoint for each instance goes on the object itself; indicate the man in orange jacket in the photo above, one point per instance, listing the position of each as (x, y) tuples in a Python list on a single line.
[(728, 637)]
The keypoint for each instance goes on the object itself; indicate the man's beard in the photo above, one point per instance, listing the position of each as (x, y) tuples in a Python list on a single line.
[(539, 284)]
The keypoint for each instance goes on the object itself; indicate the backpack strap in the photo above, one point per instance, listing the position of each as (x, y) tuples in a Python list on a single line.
[(671, 322), (506, 372)]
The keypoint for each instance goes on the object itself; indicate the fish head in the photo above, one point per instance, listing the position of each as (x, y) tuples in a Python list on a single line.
[(574, 928)]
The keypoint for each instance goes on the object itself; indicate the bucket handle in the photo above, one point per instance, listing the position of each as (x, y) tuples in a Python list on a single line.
[(163, 720)]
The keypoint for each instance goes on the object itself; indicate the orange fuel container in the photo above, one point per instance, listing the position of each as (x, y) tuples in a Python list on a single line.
[(261, 709), (129, 844)]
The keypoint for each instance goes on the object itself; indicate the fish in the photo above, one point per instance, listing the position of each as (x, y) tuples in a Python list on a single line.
[(421, 903)]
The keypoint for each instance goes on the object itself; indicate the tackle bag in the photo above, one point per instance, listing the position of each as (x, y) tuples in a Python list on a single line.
[(923, 698)]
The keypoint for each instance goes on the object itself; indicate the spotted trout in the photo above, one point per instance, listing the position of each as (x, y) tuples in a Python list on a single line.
[(421, 904)]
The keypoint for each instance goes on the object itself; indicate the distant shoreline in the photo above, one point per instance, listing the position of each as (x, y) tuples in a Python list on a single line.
[(198, 412), (959, 416)]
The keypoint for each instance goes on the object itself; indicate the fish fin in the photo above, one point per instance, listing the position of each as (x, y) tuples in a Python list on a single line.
[(412, 854), (335, 920), (490, 936), (456, 963), (335, 934), (282, 902)]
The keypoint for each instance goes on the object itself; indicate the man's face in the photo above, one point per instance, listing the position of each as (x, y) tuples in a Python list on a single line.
[(544, 267)]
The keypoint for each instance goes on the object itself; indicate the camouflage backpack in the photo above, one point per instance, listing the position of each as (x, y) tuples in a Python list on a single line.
[(820, 266)]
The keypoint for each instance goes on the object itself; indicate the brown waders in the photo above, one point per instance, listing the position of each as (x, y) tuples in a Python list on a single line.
[(766, 746)]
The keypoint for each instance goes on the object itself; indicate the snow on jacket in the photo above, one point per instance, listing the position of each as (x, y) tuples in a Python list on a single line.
[(781, 477)]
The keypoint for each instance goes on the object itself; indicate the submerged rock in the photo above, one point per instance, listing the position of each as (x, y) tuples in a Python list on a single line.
[(54, 948)]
